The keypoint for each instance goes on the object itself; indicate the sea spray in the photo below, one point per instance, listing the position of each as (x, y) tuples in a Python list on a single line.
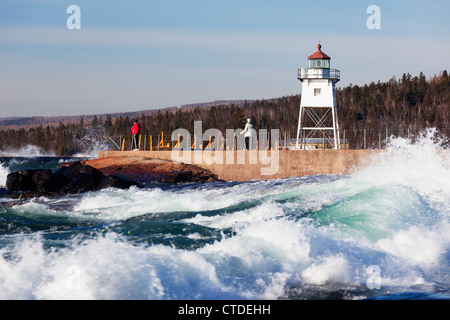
[(3, 175), (299, 238), (88, 144), (91, 141), (422, 164), (26, 151)]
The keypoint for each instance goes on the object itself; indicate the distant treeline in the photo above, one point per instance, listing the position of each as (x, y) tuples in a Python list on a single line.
[(406, 105)]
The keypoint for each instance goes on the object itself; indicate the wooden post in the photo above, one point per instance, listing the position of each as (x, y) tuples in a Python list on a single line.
[(178, 142), (386, 138), (194, 144), (379, 140), (323, 141), (344, 139), (365, 139)]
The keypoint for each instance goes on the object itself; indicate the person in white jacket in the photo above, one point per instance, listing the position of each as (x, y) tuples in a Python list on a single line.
[(250, 133)]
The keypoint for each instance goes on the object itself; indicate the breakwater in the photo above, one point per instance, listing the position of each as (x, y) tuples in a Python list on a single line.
[(243, 165)]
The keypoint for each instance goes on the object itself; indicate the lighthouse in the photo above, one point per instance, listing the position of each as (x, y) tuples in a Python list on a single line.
[(318, 120)]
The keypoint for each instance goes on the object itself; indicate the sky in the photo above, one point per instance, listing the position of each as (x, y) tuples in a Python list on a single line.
[(137, 55)]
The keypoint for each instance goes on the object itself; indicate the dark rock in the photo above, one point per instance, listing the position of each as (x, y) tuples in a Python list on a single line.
[(183, 176), (77, 169), (47, 181), (81, 178), (6, 193), (78, 177), (55, 183), (114, 181), (206, 177), (21, 181), (40, 178), (69, 170), (167, 178), (212, 179), (35, 181), (88, 182), (177, 177), (188, 176)]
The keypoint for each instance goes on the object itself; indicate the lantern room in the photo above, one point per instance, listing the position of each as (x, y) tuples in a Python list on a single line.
[(319, 60)]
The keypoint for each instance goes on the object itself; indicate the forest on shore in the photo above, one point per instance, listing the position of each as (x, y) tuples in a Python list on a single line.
[(404, 106)]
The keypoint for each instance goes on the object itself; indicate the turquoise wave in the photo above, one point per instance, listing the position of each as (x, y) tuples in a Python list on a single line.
[(377, 212)]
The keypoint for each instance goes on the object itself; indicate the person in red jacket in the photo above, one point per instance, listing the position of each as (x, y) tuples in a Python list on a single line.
[(135, 131)]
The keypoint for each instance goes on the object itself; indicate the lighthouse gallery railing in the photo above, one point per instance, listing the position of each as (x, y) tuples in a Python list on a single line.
[(333, 74)]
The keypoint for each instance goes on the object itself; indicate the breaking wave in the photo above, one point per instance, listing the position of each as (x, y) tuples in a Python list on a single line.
[(383, 230)]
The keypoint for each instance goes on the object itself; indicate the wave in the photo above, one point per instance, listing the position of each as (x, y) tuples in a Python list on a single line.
[(26, 151), (385, 229)]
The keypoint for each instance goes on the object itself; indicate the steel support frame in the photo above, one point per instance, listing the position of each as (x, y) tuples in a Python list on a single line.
[(319, 125)]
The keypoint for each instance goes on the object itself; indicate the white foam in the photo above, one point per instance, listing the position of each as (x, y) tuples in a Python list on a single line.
[(421, 164), (272, 245), (329, 269), (26, 151), (3, 174), (266, 255), (417, 245), (105, 268), (119, 204), (239, 219)]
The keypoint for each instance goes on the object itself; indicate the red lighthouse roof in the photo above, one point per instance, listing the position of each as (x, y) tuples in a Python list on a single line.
[(318, 54)]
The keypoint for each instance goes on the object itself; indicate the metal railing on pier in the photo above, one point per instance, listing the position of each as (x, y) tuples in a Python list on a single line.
[(361, 138)]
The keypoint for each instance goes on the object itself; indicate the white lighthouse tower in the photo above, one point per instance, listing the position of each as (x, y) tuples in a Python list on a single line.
[(318, 119)]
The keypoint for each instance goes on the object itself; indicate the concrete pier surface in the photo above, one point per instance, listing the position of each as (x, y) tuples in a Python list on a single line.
[(263, 164)]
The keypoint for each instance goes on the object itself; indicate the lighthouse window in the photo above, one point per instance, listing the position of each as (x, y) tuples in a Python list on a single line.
[(316, 91), (319, 63)]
